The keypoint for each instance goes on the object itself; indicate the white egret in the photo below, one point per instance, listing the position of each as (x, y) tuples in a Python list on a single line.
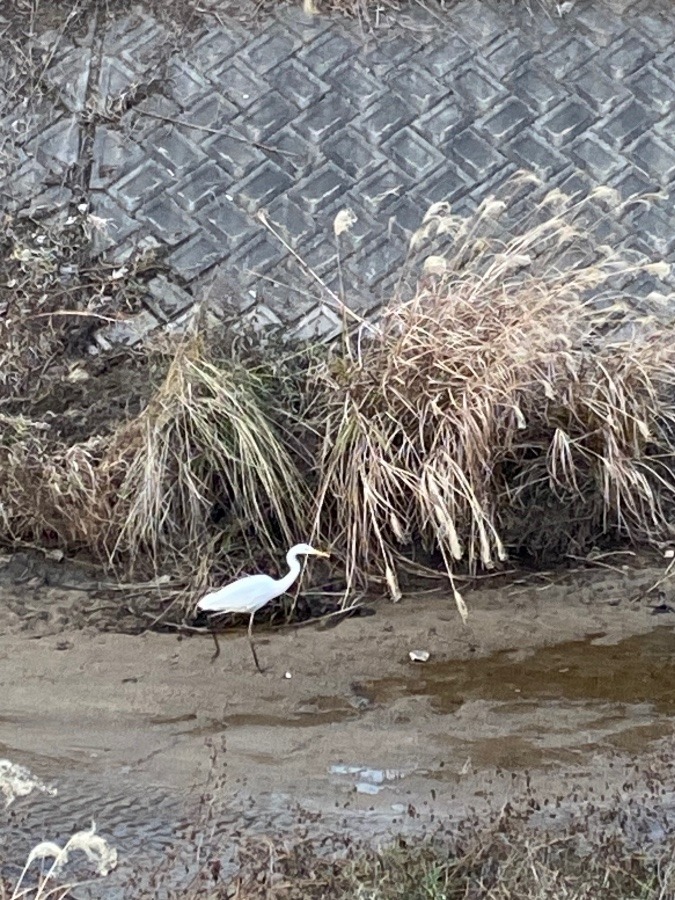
[(251, 593)]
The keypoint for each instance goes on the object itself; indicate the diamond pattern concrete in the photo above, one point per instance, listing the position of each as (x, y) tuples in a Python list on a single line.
[(191, 146)]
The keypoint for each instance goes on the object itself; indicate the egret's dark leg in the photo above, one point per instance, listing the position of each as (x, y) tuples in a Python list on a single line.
[(250, 640), (215, 640)]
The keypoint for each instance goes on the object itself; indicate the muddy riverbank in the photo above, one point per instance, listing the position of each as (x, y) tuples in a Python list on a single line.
[(562, 686)]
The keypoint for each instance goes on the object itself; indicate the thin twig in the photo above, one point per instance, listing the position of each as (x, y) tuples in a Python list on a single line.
[(236, 137), (342, 307)]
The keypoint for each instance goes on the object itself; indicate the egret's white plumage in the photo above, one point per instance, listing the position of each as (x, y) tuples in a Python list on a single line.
[(251, 593)]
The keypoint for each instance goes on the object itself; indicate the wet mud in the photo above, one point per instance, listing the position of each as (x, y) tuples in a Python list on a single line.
[(561, 687)]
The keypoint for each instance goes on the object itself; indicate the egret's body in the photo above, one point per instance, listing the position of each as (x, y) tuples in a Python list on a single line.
[(251, 593)]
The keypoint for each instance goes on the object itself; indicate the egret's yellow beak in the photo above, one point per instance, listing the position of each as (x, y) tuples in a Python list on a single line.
[(322, 554)]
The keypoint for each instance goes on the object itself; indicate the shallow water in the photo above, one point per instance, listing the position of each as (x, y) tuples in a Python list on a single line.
[(549, 707), (638, 669)]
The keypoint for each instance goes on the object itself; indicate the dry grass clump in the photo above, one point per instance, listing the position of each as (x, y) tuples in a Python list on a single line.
[(203, 471), (502, 407), (616, 848), (487, 865), (204, 461), (162, 461)]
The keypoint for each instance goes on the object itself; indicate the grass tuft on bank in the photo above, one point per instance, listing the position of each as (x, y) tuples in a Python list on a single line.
[(514, 404), (203, 471)]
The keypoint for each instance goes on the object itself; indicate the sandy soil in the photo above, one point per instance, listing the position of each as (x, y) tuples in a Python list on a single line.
[(341, 716), (557, 698)]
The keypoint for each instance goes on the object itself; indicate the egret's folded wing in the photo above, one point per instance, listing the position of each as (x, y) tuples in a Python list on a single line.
[(244, 595)]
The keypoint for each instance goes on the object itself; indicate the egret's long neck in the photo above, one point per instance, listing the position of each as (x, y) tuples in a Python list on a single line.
[(293, 571)]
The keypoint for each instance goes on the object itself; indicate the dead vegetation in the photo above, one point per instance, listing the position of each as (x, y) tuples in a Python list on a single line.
[(505, 407), (470, 861), (153, 461), (483, 865), (54, 297), (513, 405), (201, 472)]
